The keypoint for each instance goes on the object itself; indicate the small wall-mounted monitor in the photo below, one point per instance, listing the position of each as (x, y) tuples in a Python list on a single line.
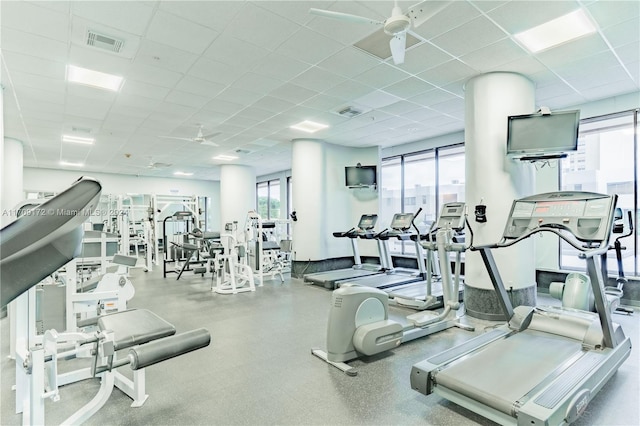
[(358, 176), (542, 135)]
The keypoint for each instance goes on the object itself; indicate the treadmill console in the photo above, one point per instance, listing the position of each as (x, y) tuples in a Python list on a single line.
[(586, 215), (367, 222), (401, 221), (451, 216)]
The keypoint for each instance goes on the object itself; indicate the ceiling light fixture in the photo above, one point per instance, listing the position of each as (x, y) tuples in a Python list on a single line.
[(183, 174), (225, 157), (93, 78), (309, 126), (557, 31), (70, 164), (78, 139)]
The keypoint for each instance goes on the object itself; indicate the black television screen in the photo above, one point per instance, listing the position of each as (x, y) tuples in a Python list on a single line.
[(360, 175), (540, 135)]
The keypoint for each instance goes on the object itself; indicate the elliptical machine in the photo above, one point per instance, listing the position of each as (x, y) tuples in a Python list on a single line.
[(575, 292), (359, 323)]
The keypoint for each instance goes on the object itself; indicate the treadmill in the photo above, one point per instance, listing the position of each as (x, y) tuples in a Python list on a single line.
[(399, 228), (364, 230), (546, 364)]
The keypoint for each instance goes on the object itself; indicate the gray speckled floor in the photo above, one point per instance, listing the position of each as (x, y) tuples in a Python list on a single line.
[(258, 369)]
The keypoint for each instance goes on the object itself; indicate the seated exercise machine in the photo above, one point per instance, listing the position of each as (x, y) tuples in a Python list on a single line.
[(359, 323), (35, 246), (575, 292), (363, 230), (229, 264), (546, 364)]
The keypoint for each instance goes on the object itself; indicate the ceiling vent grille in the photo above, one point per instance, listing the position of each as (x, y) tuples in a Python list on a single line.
[(80, 129), (105, 42), (349, 112), (243, 151)]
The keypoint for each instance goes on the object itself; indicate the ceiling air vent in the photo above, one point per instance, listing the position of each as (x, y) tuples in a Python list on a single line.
[(105, 42), (349, 112), (80, 129), (242, 151)]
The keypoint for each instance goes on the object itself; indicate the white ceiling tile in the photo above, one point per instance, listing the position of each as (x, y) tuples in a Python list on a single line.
[(297, 11), (424, 56), (235, 52), (34, 65), (214, 15), (139, 88), (31, 18), (269, 36), (271, 103), (163, 56), (214, 71), (257, 114), (317, 79), (469, 37), (324, 103), (238, 96), (517, 16), (34, 94), (255, 82), (89, 108), (186, 99), (608, 13), (349, 62), (449, 71), (308, 46), (377, 99), (98, 60), (131, 16), (153, 75), (224, 107), (348, 90), (380, 76), (87, 92), (199, 87), (21, 79), (487, 5), (293, 93), (493, 56), (401, 108), (35, 45), (408, 87), (623, 33), (455, 14), (432, 97), (177, 32), (525, 65), (136, 105), (629, 53)]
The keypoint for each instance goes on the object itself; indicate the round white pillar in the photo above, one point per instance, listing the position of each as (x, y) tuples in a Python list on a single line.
[(237, 193), (494, 180), (308, 192), (12, 180)]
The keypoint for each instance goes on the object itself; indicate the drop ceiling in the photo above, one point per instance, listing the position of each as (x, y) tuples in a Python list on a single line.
[(248, 70)]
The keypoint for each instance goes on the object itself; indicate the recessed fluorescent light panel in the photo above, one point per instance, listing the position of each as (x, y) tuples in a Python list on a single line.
[(77, 139), (182, 174), (225, 157), (67, 163), (557, 31), (309, 126), (93, 78)]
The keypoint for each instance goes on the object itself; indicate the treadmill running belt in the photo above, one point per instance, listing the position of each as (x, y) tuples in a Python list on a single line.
[(507, 370)]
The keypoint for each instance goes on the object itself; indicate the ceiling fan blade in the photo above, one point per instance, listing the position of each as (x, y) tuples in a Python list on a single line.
[(212, 135), (343, 16), (422, 12), (177, 138), (398, 46), (208, 143)]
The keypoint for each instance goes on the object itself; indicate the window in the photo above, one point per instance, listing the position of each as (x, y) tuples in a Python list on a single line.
[(268, 202), (605, 162), (420, 180)]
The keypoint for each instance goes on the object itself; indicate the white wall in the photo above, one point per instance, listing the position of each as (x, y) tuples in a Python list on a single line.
[(51, 180)]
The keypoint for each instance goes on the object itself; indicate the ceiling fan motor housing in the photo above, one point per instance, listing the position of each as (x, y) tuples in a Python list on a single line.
[(397, 23)]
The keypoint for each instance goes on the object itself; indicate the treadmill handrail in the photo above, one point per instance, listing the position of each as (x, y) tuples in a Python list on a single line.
[(585, 251)]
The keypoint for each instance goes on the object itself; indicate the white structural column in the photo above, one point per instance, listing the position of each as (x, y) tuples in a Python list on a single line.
[(309, 194), (237, 193), (494, 180), (12, 186)]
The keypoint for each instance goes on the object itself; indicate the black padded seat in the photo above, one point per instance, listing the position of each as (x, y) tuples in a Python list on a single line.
[(135, 327)]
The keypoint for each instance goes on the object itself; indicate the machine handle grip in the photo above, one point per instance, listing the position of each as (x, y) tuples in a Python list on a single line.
[(169, 347)]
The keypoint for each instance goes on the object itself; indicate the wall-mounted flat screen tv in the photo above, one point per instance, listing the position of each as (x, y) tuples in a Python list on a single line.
[(542, 135), (356, 176)]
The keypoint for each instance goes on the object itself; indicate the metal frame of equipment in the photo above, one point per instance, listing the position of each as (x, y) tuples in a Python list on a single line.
[(546, 364)]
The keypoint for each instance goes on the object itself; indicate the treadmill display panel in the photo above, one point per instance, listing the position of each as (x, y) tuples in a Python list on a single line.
[(367, 221), (402, 221)]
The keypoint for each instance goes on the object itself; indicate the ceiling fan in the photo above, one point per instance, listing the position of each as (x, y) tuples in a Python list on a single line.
[(200, 138), (157, 165), (397, 25)]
